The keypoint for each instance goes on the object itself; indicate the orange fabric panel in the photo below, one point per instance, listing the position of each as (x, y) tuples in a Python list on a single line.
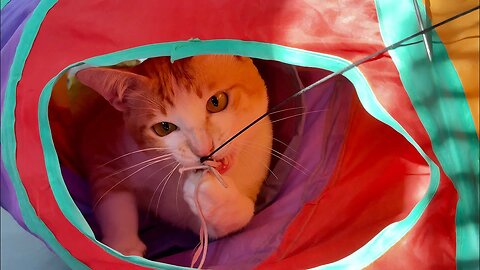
[(461, 39)]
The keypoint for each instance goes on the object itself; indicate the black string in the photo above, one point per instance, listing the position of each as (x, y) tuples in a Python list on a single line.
[(331, 75)]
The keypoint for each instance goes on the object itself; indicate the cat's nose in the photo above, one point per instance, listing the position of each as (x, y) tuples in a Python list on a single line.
[(203, 150), (201, 143)]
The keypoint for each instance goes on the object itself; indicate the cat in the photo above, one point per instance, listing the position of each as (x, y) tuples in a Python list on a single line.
[(163, 116)]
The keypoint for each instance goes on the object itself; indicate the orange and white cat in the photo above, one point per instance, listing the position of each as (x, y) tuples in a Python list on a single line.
[(161, 117)]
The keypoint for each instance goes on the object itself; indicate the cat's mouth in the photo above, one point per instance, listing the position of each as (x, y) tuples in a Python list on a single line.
[(221, 165)]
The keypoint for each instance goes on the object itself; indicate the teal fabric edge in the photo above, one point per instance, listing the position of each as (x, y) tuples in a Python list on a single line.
[(391, 234), (60, 191), (3, 3), (177, 50), (447, 119), (67, 206), (8, 141)]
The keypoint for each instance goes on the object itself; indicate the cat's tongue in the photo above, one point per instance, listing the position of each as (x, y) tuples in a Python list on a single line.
[(221, 165)]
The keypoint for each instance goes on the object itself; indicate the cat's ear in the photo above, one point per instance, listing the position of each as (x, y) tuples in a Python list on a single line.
[(112, 84)]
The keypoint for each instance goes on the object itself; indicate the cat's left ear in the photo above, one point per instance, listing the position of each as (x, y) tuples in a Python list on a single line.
[(112, 84)]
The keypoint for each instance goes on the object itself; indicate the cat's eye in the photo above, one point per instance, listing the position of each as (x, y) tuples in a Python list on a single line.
[(164, 128), (217, 102)]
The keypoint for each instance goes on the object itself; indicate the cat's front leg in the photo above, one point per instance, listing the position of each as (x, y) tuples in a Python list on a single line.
[(225, 210), (118, 218)]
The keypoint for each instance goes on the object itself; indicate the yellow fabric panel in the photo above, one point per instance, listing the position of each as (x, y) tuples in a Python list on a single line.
[(461, 38)]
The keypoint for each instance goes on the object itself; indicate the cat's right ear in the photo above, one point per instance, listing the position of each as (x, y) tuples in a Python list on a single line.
[(112, 84)]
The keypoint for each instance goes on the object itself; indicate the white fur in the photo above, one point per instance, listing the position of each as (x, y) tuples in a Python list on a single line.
[(226, 210)]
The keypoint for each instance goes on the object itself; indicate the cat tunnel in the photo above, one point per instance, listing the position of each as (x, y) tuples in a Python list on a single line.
[(381, 166)]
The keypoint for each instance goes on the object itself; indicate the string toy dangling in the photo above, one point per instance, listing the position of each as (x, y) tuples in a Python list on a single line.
[(202, 248)]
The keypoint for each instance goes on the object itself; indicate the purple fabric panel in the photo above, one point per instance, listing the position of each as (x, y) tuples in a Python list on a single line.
[(310, 160), (316, 150), (314, 146), (281, 80), (13, 15), (9, 198), (13, 18), (78, 188)]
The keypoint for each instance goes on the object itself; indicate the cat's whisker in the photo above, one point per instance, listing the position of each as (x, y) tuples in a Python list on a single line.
[(274, 175), (277, 140), (153, 107), (143, 98), (282, 157), (164, 185), (160, 183), (139, 98), (295, 115), (288, 109), (150, 176), (155, 159), (176, 192), (143, 108), (264, 121), (262, 163), (150, 107), (122, 180), (147, 114), (289, 158), (146, 99), (134, 152)]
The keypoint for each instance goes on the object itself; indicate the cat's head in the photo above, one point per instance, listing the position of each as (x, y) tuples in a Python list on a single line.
[(190, 106)]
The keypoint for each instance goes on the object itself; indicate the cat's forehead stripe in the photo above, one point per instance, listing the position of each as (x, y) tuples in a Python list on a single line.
[(189, 75), (169, 77)]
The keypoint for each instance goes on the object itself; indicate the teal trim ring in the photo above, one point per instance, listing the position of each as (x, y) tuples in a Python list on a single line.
[(3, 3), (362, 257), (439, 99), (177, 50), (8, 141)]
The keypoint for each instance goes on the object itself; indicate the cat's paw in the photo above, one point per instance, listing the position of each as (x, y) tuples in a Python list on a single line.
[(133, 246), (225, 210)]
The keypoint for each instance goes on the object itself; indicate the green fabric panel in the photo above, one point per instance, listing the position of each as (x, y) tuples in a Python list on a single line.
[(439, 99), (8, 141)]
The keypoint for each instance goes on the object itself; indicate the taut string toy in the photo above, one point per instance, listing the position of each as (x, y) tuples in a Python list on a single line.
[(339, 72)]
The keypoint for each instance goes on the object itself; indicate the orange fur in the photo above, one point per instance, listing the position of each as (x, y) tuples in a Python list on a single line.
[(159, 91)]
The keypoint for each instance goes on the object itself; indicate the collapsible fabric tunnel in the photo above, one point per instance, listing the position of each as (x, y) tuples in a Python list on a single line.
[(385, 158)]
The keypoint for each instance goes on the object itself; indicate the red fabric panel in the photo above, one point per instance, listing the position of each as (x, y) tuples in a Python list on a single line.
[(76, 30), (431, 243), (378, 181)]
